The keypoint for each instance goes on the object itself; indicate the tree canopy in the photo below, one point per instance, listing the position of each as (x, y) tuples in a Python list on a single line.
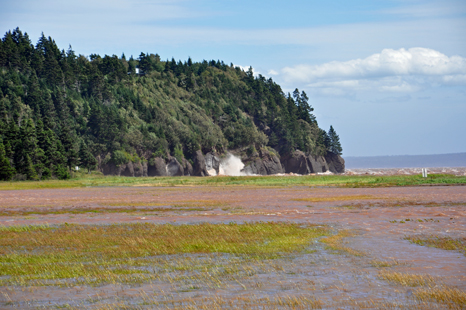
[(59, 109)]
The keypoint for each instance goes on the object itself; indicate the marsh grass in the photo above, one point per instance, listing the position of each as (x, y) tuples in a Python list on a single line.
[(336, 243), (441, 242), (119, 207), (135, 253), (405, 279), (429, 289), (384, 263), (85, 180), (453, 298)]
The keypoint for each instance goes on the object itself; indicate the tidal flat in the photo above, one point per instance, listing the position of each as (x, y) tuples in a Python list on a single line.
[(233, 247)]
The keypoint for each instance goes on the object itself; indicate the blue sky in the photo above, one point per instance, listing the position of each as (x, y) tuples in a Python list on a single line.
[(390, 76)]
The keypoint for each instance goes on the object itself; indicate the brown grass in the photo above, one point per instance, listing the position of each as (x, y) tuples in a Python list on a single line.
[(407, 279), (441, 242), (336, 243), (453, 298)]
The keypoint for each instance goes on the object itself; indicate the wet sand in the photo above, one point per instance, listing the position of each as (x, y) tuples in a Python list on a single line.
[(378, 216)]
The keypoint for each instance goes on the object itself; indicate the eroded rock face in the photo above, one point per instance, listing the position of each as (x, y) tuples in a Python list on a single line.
[(271, 163), (199, 166), (317, 163), (110, 169), (212, 163), (159, 168), (336, 163), (174, 168), (263, 163), (296, 162), (187, 167), (129, 169)]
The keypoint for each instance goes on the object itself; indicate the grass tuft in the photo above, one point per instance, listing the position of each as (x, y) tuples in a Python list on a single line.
[(453, 298), (441, 242), (407, 279)]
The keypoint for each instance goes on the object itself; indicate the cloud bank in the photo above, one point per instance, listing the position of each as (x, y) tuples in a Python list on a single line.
[(402, 70)]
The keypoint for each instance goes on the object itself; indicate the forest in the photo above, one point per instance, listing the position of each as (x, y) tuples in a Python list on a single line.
[(59, 110)]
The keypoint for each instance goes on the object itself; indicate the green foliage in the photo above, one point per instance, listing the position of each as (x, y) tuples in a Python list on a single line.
[(6, 171), (119, 158), (334, 141), (59, 109)]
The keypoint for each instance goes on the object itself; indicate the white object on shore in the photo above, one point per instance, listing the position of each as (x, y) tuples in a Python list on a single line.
[(424, 172)]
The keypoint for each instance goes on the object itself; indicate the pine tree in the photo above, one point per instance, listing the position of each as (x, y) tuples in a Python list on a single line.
[(86, 158), (6, 170), (335, 146)]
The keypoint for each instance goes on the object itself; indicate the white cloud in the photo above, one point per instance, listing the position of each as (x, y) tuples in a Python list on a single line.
[(246, 69), (403, 70)]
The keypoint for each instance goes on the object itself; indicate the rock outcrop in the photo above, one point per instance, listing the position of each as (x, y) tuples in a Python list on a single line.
[(336, 163), (296, 162), (199, 166), (187, 167), (129, 169), (263, 163), (317, 164), (212, 163), (157, 168), (174, 168)]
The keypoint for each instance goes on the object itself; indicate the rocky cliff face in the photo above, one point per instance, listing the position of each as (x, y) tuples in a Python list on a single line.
[(263, 162), (298, 162), (128, 170), (336, 163)]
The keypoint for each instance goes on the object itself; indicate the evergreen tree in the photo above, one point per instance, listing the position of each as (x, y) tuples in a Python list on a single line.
[(25, 152), (335, 146), (87, 160), (6, 170)]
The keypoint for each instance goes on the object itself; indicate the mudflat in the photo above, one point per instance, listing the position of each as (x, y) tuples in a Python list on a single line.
[(383, 247)]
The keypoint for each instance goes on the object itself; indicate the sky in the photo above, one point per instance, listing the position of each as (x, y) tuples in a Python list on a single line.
[(388, 75)]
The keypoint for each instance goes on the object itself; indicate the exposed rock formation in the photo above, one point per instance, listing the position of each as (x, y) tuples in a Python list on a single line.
[(212, 163), (263, 163), (174, 168), (296, 162), (158, 168), (317, 164), (199, 166), (129, 169), (336, 163), (187, 167)]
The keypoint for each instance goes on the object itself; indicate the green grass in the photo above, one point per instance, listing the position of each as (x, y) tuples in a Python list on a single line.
[(85, 180), (130, 253)]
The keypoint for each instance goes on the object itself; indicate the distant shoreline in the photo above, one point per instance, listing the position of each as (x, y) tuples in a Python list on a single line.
[(406, 161)]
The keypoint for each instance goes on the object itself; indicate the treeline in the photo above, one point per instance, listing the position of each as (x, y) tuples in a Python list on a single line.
[(59, 110)]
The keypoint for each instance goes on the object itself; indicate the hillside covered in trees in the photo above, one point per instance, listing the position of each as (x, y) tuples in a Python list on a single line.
[(59, 110)]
